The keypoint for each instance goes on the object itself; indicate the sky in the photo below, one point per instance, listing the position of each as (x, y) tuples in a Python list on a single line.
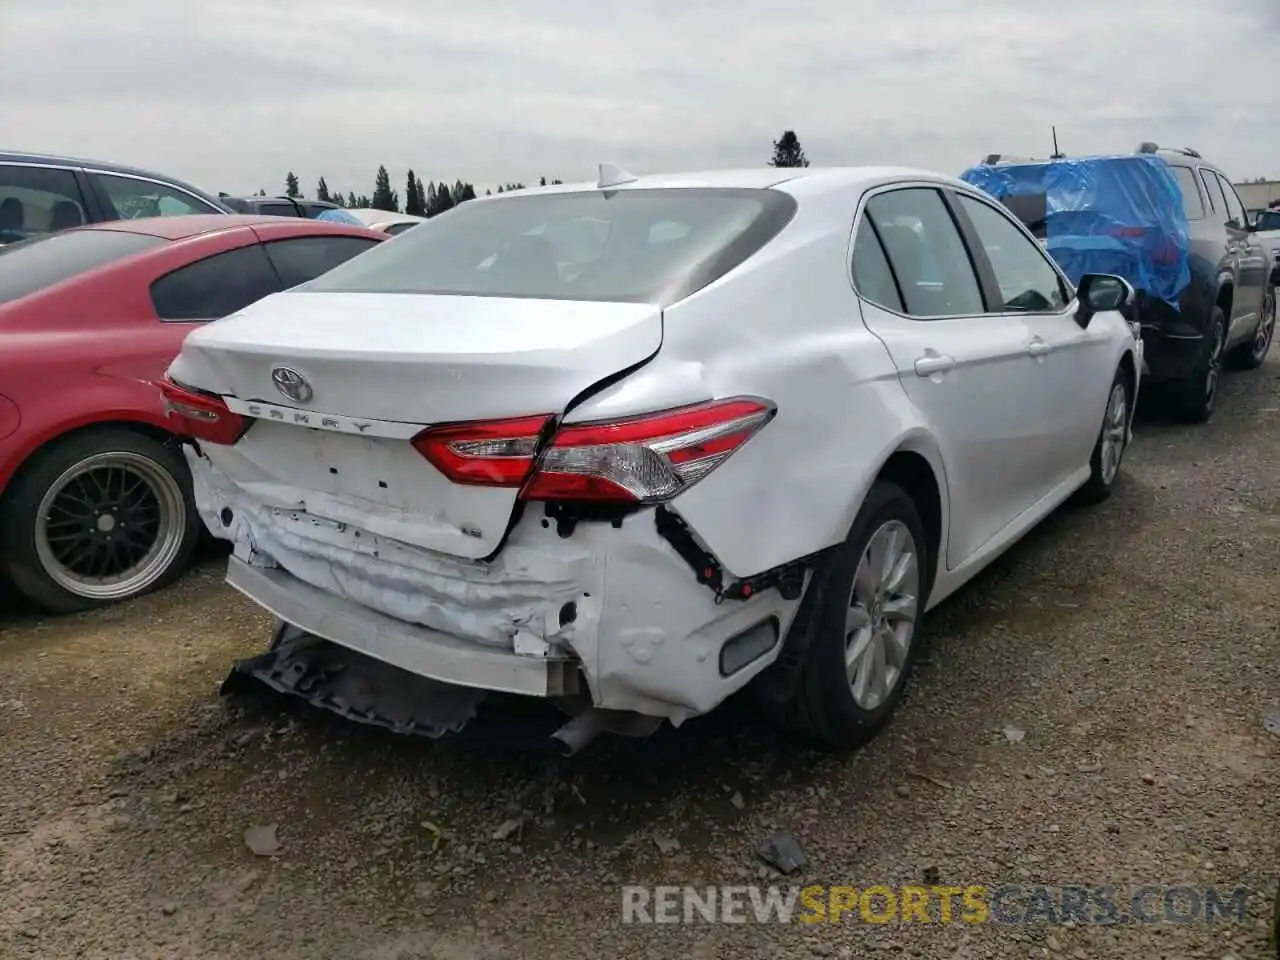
[(233, 94)]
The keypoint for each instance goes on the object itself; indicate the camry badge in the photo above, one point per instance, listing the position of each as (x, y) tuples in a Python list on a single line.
[(291, 384)]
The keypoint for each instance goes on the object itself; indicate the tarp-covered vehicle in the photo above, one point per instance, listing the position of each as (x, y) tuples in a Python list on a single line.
[(1167, 221)]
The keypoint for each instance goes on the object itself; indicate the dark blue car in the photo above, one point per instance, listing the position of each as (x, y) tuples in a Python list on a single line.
[(40, 194)]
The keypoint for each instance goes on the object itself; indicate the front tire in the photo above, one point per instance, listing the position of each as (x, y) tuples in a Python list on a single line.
[(1251, 355), (858, 623), (1193, 400), (1113, 440), (98, 517)]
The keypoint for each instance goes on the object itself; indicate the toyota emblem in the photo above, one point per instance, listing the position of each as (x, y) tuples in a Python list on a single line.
[(291, 384)]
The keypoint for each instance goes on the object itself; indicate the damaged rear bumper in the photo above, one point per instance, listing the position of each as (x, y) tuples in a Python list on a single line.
[(419, 650)]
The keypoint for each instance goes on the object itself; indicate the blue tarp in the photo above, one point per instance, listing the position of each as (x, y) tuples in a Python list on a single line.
[(338, 215), (1121, 215)]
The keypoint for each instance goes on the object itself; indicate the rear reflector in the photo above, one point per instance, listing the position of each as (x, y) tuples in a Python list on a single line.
[(644, 459), (201, 415)]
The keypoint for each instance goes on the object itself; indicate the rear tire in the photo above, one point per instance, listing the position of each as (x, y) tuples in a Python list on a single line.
[(867, 596), (1193, 400), (98, 517), (1113, 440), (1251, 355)]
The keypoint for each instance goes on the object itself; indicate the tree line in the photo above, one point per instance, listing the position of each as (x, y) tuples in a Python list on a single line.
[(421, 198), (428, 198)]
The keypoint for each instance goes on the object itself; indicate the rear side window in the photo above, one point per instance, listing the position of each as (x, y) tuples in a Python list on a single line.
[(1192, 206), (305, 258), (277, 209), (33, 265), (38, 200), (872, 275), (629, 246), (1269, 219), (400, 227), (215, 286), (1235, 209), (928, 256)]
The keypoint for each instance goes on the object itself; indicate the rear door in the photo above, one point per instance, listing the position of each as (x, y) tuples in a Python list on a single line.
[(1252, 264), (965, 368)]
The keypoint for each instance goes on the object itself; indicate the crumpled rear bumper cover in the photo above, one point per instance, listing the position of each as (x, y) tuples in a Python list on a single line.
[(612, 612)]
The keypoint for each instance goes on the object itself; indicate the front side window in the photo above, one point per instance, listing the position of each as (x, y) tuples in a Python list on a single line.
[(629, 246), (216, 286), (1191, 203), (1235, 209), (1217, 200), (305, 258), (1027, 281), (32, 265), (926, 252), (38, 200), (132, 198)]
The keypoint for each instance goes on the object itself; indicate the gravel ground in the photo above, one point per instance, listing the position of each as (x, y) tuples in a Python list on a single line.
[(1091, 710)]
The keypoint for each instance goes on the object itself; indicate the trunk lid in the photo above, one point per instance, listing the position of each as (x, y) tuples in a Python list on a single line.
[(378, 369)]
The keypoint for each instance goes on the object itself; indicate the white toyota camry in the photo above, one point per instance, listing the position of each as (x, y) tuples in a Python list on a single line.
[(632, 444)]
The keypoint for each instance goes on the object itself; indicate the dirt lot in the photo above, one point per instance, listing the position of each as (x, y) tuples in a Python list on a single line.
[(1136, 645)]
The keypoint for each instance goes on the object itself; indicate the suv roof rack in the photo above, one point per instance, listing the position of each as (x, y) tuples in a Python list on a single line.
[(1148, 146), (991, 159)]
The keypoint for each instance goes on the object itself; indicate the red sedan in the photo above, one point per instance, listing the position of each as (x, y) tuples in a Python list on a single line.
[(95, 499)]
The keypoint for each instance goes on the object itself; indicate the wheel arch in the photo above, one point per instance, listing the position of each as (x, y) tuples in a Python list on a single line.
[(31, 453), (915, 464)]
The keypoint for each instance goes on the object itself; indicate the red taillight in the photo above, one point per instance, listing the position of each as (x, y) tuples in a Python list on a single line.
[(204, 416), (493, 453), (645, 459)]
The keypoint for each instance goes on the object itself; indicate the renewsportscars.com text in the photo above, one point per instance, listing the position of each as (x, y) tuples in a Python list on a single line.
[(1007, 903)]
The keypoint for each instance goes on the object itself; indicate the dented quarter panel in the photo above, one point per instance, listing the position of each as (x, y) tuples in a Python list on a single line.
[(841, 408)]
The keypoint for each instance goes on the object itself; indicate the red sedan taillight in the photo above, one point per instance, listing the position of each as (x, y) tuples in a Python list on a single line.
[(644, 459), (200, 415)]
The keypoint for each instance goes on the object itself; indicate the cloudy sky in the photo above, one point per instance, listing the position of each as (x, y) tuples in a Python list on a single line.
[(231, 94)]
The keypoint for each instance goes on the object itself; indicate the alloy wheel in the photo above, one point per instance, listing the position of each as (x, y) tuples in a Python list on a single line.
[(1115, 427), (110, 526), (1215, 364), (1266, 326), (883, 610)]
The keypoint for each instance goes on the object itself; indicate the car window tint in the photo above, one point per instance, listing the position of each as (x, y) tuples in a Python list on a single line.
[(215, 286), (929, 259), (36, 201), (277, 209), (1235, 209), (872, 276), (1268, 220), (133, 198), (1192, 205), (305, 258), (627, 246), (35, 264), (1216, 198), (1027, 281)]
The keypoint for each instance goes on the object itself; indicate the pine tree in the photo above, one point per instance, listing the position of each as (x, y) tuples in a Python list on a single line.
[(542, 181), (352, 203), (468, 192), (384, 198), (322, 191), (260, 193), (363, 202), (444, 199), (422, 199), (787, 151), (411, 196), (291, 185), (432, 206)]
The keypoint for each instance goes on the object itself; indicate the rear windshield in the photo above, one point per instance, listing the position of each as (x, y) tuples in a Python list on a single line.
[(630, 246), (32, 265)]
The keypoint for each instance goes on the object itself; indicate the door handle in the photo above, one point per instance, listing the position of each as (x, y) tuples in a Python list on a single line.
[(1038, 348), (932, 363)]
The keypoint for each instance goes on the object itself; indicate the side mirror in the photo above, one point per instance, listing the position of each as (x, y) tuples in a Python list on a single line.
[(1100, 292)]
